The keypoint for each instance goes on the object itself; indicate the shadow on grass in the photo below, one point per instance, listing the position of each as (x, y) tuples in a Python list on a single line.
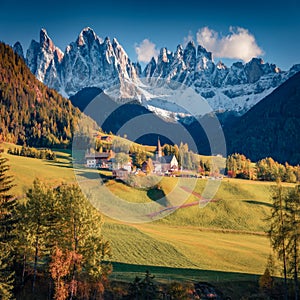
[(156, 194), (60, 164), (93, 175), (123, 270), (258, 203)]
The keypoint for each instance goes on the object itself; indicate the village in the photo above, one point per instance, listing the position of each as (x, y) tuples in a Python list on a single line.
[(121, 164), (123, 157)]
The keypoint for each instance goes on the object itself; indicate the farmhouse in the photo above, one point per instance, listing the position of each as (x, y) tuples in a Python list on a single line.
[(98, 159)]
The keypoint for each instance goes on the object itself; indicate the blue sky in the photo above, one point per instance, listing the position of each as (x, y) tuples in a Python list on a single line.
[(232, 30)]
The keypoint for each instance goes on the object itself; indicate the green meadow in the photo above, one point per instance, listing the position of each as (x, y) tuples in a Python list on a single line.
[(221, 241)]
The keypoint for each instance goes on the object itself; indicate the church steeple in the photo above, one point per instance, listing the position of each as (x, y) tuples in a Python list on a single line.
[(159, 149)]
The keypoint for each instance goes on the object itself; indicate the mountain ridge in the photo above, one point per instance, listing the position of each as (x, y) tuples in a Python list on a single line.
[(91, 61)]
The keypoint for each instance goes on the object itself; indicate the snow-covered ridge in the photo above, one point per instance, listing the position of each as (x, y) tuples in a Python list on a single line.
[(237, 88), (91, 61)]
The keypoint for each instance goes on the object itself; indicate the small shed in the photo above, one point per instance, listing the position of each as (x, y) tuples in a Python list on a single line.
[(120, 173)]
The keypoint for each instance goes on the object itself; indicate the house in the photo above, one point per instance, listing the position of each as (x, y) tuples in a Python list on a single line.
[(113, 165), (106, 138), (98, 159), (120, 173)]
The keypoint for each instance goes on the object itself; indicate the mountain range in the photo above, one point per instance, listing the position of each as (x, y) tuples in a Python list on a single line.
[(91, 61)]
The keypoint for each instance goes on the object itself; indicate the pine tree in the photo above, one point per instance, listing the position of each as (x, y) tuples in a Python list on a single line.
[(265, 282), (278, 230), (293, 234), (38, 215), (8, 220)]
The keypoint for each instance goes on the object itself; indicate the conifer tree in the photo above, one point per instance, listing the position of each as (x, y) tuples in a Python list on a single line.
[(8, 220), (278, 230), (38, 213), (293, 234)]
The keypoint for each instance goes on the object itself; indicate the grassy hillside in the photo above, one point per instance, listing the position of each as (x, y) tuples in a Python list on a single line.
[(226, 235), (25, 169), (187, 247)]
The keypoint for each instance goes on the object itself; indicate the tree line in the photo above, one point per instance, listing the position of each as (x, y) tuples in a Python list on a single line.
[(239, 166), (33, 152)]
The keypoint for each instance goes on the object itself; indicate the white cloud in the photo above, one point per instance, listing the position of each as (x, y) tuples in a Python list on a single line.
[(146, 50), (238, 44)]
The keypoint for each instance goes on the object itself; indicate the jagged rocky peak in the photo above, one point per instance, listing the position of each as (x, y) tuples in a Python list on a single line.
[(221, 66), (86, 37), (179, 52), (91, 61), (150, 68), (201, 51), (256, 68), (119, 51), (189, 55), (31, 55), (45, 41), (164, 55), (18, 49), (115, 43)]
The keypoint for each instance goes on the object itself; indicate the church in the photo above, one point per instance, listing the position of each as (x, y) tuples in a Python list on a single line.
[(163, 164)]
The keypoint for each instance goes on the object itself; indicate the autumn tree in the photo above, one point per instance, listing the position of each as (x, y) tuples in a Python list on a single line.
[(180, 291), (60, 235), (80, 233), (285, 233), (121, 159), (149, 167), (60, 267), (237, 165)]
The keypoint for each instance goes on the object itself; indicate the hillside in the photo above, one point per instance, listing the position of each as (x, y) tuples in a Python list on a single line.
[(223, 242), (235, 222), (270, 128), (30, 112)]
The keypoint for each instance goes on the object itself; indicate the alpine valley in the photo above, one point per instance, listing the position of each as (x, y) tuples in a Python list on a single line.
[(91, 65), (91, 61)]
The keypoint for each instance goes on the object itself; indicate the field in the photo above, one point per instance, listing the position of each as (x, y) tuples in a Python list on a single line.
[(223, 241)]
